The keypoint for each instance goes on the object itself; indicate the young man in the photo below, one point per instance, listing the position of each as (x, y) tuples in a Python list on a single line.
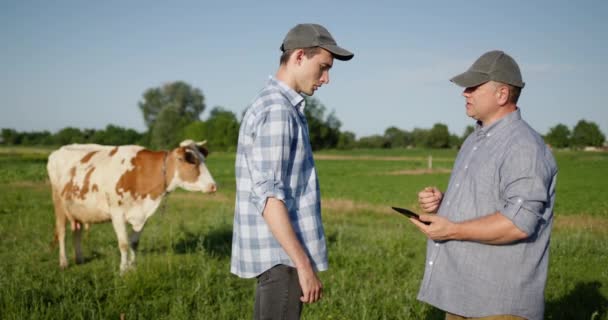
[(488, 248), (278, 233)]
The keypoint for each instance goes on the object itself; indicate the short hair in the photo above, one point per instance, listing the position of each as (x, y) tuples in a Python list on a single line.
[(308, 52), (514, 93)]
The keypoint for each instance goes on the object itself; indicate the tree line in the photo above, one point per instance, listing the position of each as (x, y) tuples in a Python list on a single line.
[(172, 112)]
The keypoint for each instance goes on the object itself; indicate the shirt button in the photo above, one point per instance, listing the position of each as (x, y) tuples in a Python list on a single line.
[(474, 148), (448, 203), (430, 263), (458, 184), (466, 167), (436, 244)]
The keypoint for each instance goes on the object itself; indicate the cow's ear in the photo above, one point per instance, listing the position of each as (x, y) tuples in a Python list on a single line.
[(204, 151), (190, 157)]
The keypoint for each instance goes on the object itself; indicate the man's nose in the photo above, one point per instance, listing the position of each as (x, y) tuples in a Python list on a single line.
[(325, 77)]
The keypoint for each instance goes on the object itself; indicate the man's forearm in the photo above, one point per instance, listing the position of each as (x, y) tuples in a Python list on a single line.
[(491, 229), (277, 218)]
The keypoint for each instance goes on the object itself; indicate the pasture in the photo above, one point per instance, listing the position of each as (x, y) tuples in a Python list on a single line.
[(376, 256)]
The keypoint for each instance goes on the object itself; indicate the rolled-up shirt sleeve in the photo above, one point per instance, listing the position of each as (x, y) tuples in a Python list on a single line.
[(271, 151), (525, 184)]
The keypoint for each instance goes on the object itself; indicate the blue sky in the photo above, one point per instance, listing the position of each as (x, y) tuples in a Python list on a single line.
[(86, 64)]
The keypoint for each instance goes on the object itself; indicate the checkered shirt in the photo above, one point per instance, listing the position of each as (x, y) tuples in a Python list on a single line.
[(274, 159)]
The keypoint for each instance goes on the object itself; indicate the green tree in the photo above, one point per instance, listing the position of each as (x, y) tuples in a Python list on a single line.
[(347, 140), (222, 130), (115, 135), (558, 136), (167, 129), (324, 131), (373, 142), (420, 137), (455, 141), (69, 135), (398, 138), (37, 138), (10, 136), (438, 136), (587, 133), (467, 131), (186, 102), (196, 131)]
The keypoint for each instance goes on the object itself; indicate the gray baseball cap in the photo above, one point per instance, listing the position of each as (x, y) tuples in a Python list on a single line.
[(308, 35), (491, 66)]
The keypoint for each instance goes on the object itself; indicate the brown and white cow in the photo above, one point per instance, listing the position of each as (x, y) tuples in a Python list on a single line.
[(93, 184)]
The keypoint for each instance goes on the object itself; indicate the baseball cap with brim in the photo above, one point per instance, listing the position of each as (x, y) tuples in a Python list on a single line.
[(469, 79), (491, 66), (309, 35)]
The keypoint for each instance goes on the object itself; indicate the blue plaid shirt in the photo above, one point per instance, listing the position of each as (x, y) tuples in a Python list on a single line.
[(274, 159)]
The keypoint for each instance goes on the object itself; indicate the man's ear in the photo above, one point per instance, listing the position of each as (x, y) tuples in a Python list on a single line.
[(298, 56), (502, 95)]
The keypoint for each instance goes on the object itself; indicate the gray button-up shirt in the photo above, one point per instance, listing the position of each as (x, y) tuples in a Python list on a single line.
[(507, 168)]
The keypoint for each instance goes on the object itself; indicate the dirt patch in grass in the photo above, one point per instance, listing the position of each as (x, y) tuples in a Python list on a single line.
[(344, 205), (582, 222), (377, 158), (419, 171), (349, 206)]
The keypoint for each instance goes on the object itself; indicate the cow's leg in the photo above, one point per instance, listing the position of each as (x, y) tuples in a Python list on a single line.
[(123, 242), (77, 236), (134, 242), (60, 220)]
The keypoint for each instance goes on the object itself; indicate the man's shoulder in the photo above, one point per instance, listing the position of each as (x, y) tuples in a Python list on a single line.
[(523, 133), (270, 95), (526, 141), (268, 105)]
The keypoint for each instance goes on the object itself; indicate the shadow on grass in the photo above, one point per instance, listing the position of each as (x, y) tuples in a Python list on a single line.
[(585, 301), (216, 242), (332, 238), (434, 314), (93, 255)]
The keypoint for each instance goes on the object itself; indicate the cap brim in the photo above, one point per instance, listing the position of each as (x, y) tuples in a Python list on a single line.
[(469, 79), (338, 53)]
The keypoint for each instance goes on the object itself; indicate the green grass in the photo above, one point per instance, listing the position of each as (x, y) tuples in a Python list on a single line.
[(376, 257)]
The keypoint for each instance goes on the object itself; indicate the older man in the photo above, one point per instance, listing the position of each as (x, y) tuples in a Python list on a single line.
[(488, 248)]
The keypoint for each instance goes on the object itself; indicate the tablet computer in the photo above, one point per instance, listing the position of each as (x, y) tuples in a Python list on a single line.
[(409, 214)]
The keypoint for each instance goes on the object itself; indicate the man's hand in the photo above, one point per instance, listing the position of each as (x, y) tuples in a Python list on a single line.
[(312, 289), (440, 229), (429, 199), (491, 229)]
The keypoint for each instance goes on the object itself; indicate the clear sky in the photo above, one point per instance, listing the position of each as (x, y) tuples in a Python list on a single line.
[(86, 64)]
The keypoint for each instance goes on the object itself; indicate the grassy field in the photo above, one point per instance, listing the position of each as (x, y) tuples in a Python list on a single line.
[(376, 257)]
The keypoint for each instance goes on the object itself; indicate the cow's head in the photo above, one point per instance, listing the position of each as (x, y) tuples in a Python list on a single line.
[(191, 173)]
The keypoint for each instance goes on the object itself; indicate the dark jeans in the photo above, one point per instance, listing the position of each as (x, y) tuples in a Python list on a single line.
[(278, 293)]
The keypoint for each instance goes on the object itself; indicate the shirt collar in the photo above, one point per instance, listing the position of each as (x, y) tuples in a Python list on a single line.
[(296, 100), (482, 132)]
